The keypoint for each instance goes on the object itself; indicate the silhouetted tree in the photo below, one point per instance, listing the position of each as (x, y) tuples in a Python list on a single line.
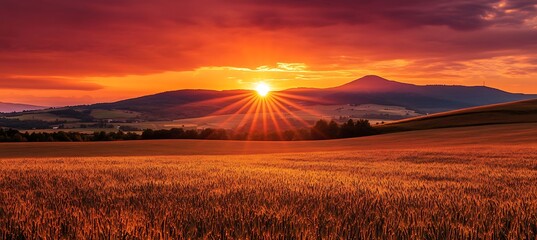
[(320, 130), (347, 129), (363, 128), (191, 134), (17, 137), (176, 133), (333, 130), (148, 134), (213, 134), (289, 135), (101, 136)]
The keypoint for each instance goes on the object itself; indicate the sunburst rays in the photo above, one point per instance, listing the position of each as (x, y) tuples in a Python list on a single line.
[(260, 115)]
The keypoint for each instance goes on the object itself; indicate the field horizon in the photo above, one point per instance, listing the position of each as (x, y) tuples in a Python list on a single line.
[(522, 134), (467, 182), (451, 182)]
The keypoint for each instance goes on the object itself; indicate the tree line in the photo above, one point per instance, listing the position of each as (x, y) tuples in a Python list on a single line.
[(322, 129)]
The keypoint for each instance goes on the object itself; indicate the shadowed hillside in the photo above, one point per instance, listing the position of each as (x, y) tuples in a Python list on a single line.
[(501, 135), (514, 112), (183, 104), (366, 90), (177, 104), (426, 99)]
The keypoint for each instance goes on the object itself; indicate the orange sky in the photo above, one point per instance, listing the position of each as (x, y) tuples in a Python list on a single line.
[(66, 52)]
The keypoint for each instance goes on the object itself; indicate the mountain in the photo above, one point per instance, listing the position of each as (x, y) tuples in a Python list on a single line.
[(177, 104), (366, 90), (426, 99), (372, 83), (193, 103), (17, 107)]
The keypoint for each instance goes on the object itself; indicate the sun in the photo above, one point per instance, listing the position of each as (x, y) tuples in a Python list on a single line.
[(262, 89)]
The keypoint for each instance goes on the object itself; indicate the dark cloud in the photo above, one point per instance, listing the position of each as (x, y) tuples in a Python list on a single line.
[(122, 37), (94, 37), (456, 14)]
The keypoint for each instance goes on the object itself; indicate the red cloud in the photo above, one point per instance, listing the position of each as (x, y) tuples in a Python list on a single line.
[(56, 84), (111, 38)]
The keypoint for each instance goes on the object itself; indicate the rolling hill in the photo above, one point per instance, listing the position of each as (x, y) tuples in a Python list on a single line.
[(414, 183), (196, 103), (505, 113), (366, 90), (176, 104), (522, 134), (426, 99)]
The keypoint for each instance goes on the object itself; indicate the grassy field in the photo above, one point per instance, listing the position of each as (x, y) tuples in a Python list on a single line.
[(490, 136), (113, 114), (375, 113), (505, 113), (47, 117), (311, 113), (460, 183)]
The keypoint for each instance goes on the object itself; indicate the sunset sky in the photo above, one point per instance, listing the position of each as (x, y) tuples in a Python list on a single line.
[(66, 52)]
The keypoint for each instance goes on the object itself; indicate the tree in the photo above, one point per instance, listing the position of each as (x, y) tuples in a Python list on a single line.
[(148, 134), (17, 137), (363, 128), (347, 129), (289, 135), (218, 134), (176, 133), (333, 130), (100, 136), (62, 137), (191, 134), (320, 130)]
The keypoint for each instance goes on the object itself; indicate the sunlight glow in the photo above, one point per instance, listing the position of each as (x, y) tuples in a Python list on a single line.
[(262, 89), (261, 114)]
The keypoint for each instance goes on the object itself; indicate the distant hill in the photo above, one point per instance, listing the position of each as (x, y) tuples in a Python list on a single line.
[(505, 113), (192, 103), (177, 104), (16, 107), (426, 99), (366, 90)]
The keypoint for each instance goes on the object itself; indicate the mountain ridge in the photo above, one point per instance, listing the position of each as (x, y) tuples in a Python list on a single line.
[(425, 98), (365, 90), (370, 89)]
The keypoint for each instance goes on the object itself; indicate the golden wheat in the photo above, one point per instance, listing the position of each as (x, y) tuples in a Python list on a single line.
[(458, 193)]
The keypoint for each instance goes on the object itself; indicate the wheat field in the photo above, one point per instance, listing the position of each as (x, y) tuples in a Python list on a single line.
[(438, 193)]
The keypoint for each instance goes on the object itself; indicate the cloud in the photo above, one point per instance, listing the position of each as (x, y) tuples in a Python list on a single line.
[(456, 14), (44, 83), (82, 39)]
